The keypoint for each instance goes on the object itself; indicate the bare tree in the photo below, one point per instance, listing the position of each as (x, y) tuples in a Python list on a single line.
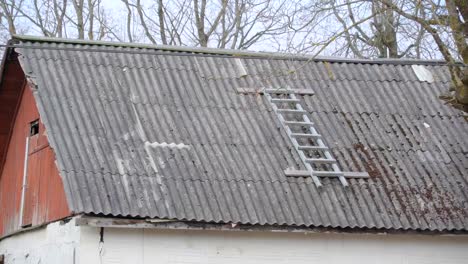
[(452, 15), (9, 13), (200, 18), (385, 34), (47, 16), (251, 22), (236, 24), (395, 29), (57, 18)]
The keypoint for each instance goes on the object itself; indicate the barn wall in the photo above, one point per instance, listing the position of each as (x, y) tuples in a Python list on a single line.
[(144, 246), (45, 198), (12, 82)]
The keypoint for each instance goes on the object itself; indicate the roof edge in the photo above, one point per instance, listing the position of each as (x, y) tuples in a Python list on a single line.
[(157, 223), (3, 61), (227, 52)]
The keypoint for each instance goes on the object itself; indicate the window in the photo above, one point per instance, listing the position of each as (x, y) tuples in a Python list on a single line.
[(34, 128)]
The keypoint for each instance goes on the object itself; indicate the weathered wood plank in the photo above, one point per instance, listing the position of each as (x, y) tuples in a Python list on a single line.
[(346, 174), (260, 90)]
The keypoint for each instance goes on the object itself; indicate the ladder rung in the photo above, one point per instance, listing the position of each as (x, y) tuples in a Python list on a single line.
[(324, 161), (312, 148), (285, 100), (298, 123), (278, 91), (292, 111), (305, 135)]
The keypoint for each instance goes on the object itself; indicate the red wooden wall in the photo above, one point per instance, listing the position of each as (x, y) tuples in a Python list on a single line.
[(44, 198), (10, 92)]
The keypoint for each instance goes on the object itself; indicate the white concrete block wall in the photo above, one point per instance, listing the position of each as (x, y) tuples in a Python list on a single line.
[(55, 244), (82, 245), (145, 246)]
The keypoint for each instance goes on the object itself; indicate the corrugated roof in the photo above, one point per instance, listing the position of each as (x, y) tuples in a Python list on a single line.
[(101, 108)]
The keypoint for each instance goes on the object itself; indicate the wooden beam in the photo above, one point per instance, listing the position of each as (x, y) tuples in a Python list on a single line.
[(346, 174), (162, 224), (260, 90)]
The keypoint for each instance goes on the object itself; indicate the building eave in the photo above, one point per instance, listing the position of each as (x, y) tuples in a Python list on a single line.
[(173, 224)]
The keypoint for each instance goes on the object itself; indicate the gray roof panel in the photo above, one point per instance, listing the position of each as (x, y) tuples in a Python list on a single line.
[(104, 109)]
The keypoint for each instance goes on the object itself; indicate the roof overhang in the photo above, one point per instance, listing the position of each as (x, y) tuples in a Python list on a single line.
[(173, 224)]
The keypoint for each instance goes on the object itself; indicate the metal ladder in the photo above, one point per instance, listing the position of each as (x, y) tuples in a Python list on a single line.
[(308, 143)]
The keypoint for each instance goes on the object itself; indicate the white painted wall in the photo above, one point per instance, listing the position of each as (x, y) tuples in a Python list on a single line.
[(144, 246), (55, 243), (81, 245)]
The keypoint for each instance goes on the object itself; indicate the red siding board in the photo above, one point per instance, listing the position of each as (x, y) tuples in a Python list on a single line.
[(31, 191), (40, 213), (45, 199)]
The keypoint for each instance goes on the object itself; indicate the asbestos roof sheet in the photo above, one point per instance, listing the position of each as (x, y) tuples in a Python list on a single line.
[(146, 132)]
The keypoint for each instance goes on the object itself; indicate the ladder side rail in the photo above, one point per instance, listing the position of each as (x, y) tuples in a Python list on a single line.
[(320, 142), (294, 141)]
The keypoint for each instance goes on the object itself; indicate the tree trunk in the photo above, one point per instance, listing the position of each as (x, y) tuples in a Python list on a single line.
[(162, 27), (78, 4), (457, 9), (385, 33), (462, 93)]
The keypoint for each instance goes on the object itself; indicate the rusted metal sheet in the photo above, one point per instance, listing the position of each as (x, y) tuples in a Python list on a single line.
[(44, 198)]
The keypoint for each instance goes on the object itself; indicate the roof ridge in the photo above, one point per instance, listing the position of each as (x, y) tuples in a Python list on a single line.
[(228, 52)]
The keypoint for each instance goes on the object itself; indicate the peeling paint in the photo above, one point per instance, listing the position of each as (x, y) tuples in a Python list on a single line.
[(119, 163), (56, 243), (150, 158), (126, 136), (162, 163), (138, 126), (121, 168)]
